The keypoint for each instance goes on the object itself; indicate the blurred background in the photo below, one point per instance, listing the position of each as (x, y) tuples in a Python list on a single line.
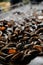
[(5, 4)]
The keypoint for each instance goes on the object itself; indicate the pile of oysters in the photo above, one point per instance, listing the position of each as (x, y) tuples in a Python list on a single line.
[(21, 42)]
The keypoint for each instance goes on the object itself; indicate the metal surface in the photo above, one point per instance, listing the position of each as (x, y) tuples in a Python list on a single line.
[(37, 61)]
